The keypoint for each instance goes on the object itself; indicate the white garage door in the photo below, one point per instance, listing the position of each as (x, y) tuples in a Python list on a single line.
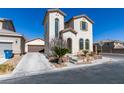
[(4, 46)]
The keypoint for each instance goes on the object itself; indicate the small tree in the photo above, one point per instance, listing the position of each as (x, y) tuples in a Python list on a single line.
[(58, 43), (58, 48)]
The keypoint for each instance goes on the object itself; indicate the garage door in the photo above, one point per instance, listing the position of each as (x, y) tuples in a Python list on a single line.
[(35, 48), (4, 46)]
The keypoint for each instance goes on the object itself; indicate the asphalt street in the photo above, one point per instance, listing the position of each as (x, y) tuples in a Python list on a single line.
[(107, 73)]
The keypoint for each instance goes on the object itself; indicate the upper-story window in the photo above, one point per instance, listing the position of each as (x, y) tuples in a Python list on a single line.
[(56, 27), (84, 25), (8, 26)]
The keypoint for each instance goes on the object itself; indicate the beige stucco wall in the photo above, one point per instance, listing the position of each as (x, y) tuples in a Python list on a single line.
[(50, 33), (84, 34), (52, 17), (22, 45), (80, 35), (73, 36), (17, 43)]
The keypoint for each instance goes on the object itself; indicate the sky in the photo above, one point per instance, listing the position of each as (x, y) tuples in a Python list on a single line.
[(108, 23)]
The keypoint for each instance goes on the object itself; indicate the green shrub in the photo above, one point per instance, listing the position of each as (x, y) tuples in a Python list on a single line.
[(85, 52), (60, 52)]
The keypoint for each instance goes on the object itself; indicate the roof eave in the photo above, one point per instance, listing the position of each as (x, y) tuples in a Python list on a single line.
[(68, 29), (80, 16), (34, 39)]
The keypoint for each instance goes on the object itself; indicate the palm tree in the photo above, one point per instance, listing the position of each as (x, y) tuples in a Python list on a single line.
[(60, 52), (59, 48)]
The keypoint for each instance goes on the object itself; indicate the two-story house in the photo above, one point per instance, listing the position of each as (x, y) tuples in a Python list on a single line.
[(10, 39), (77, 31)]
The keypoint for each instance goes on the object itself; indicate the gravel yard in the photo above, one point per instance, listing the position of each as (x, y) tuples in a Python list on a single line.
[(9, 65), (15, 60)]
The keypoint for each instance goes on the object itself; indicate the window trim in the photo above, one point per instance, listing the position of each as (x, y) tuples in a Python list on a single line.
[(81, 26), (87, 41), (57, 31), (81, 43)]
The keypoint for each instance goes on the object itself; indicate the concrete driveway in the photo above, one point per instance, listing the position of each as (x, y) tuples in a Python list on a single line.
[(108, 73), (32, 63)]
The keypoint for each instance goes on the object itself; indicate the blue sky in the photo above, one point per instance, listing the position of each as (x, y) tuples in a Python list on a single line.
[(109, 23)]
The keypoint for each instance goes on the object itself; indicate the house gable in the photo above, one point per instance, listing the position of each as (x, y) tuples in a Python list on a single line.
[(80, 16), (68, 30), (53, 11)]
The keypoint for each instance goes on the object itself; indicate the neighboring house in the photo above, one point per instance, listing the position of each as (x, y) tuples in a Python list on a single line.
[(111, 46), (35, 45), (9, 39), (118, 44), (77, 31)]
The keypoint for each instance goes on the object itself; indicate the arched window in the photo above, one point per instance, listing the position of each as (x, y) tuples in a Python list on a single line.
[(81, 44), (87, 44), (69, 44), (56, 27)]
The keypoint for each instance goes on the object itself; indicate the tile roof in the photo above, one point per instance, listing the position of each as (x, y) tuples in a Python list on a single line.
[(56, 10), (80, 16), (5, 19), (53, 10), (68, 29), (35, 39), (8, 33)]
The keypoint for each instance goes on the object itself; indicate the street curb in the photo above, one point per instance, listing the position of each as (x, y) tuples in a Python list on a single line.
[(113, 54)]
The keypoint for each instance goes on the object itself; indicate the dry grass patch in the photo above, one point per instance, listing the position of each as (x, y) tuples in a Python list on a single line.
[(6, 68), (9, 65)]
